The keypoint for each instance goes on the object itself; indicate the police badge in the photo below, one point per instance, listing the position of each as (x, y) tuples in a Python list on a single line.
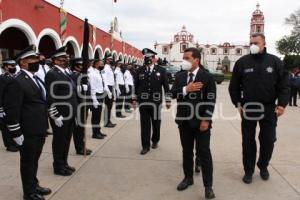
[(269, 69)]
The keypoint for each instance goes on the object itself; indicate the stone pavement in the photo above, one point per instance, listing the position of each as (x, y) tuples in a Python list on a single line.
[(116, 171)]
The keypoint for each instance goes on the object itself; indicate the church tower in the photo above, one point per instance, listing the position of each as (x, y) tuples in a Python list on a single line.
[(257, 21)]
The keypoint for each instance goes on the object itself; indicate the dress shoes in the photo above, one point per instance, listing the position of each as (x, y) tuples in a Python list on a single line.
[(81, 152), (34, 197), (145, 151), (209, 193), (43, 191), (185, 183)]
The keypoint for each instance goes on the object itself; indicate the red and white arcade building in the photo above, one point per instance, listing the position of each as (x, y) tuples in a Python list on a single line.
[(26, 22)]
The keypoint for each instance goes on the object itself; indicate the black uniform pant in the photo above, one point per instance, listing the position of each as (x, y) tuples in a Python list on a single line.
[(61, 142), (197, 160), (150, 114), (30, 153), (7, 140), (108, 106), (267, 138), (293, 95), (128, 98), (188, 136), (78, 134), (96, 116), (120, 100)]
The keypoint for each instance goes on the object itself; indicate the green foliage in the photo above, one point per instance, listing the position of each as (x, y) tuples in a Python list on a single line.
[(290, 45), (291, 61)]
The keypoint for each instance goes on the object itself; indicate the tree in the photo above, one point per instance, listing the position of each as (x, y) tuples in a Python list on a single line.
[(291, 44), (294, 20)]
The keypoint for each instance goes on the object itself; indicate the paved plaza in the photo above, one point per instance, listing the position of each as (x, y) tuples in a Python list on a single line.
[(116, 170)]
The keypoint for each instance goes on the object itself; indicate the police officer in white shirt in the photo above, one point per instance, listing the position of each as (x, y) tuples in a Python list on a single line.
[(109, 74), (43, 69), (120, 89), (99, 90), (129, 87)]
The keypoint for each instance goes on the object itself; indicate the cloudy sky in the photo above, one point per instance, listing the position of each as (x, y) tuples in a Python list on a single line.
[(143, 22)]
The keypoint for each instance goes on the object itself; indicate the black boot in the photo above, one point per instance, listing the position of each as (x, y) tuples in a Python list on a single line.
[(247, 178), (185, 183), (209, 193)]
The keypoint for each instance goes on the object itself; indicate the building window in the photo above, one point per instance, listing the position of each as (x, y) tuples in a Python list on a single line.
[(258, 29), (239, 52), (213, 51), (226, 51), (165, 50), (183, 47)]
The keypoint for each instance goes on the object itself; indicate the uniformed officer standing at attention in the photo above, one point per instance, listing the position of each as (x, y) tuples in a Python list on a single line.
[(110, 78), (149, 81), (99, 91), (259, 89), (9, 70), (26, 117), (120, 89), (195, 91), (62, 102), (82, 89), (43, 69), (129, 87)]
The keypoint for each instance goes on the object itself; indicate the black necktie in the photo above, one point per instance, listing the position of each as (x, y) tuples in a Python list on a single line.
[(70, 78), (102, 80), (149, 70), (40, 86), (43, 66), (191, 79)]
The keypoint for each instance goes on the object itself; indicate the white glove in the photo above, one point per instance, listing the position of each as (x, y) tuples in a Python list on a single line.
[(127, 89), (85, 87), (59, 121), (19, 140), (2, 114), (118, 92), (109, 95), (96, 104)]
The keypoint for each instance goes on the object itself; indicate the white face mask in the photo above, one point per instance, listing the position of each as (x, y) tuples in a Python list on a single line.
[(254, 49), (186, 65)]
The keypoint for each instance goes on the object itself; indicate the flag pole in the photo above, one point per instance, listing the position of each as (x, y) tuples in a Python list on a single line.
[(85, 57)]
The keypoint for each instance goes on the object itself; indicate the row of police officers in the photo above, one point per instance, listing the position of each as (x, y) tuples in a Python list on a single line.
[(258, 88), (34, 94)]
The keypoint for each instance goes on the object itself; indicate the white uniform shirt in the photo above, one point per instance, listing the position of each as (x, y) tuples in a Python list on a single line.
[(43, 70), (109, 75), (98, 82), (128, 78), (119, 76)]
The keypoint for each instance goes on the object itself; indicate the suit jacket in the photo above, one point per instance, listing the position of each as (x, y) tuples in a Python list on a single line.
[(25, 107), (195, 106), (4, 80), (148, 88), (61, 94)]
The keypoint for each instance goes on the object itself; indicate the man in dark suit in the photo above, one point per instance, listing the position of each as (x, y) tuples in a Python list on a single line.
[(26, 118), (9, 67), (149, 81), (195, 91), (62, 103), (82, 90)]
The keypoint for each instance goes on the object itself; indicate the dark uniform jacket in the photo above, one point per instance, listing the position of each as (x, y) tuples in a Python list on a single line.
[(61, 94), (25, 107), (148, 88), (194, 106), (4, 80), (259, 78)]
